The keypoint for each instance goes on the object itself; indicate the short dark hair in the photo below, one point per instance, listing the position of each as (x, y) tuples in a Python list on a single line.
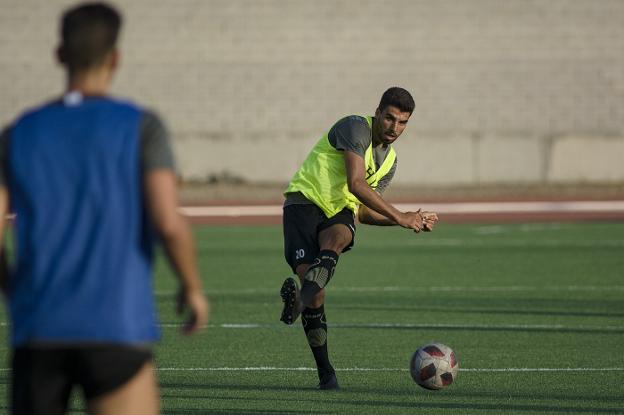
[(88, 33), (397, 97)]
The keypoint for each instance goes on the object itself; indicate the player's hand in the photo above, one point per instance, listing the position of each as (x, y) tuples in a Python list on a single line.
[(419, 220), (411, 220), (199, 307), (429, 219)]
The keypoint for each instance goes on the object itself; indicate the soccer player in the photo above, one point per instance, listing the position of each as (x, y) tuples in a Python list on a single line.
[(91, 181), (344, 176)]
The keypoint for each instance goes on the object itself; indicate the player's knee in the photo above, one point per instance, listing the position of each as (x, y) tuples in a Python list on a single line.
[(335, 239), (318, 300), (336, 244)]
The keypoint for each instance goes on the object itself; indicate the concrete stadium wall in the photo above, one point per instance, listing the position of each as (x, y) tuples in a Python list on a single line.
[(514, 91)]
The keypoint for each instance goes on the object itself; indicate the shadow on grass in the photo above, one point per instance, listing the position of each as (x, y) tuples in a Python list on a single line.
[(257, 388), (477, 327), (384, 405), (236, 390), (488, 311), (225, 411), (5, 410), (495, 407), (593, 397), (461, 394)]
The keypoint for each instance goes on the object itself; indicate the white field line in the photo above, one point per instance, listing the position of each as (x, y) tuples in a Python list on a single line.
[(389, 369), (377, 369), (510, 288), (511, 243), (442, 208), (554, 327), (395, 288)]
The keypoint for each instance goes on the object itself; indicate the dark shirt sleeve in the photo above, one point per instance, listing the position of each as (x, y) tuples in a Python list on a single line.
[(156, 150), (384, 182), (4, 149), (351, 133)]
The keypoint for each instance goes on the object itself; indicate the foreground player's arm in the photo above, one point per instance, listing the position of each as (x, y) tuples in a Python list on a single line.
[(161, 196), (162, 203)]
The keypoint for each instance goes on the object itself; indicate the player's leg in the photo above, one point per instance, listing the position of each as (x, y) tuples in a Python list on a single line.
[(332, 241), (138, 396), (329, 238), (300, 250), (117, 379), (319, 298), (336, 236), (312, 253), (40, 381)]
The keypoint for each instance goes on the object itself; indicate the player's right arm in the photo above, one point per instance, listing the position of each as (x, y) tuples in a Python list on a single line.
[(162, 203), (386, 214)]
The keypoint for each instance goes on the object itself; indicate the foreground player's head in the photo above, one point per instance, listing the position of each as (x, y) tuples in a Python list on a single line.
[(89, 35), (391, 116)]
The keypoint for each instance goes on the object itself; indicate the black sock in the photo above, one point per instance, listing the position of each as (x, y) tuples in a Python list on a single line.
[(318, 275), (315, 326)]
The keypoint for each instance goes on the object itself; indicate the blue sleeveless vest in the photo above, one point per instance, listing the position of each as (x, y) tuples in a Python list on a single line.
[(83, 243)]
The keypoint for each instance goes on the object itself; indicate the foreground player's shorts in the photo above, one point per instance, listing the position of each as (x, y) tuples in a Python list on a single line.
[(43, 376)]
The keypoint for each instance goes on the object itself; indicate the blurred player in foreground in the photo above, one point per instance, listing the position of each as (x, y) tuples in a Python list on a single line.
[(344, 176), (91, 181)]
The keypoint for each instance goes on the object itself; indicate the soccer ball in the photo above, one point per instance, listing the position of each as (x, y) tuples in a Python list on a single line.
[(434, 366)]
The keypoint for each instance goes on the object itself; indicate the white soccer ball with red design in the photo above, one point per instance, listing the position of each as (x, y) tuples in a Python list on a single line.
[(434, 366)]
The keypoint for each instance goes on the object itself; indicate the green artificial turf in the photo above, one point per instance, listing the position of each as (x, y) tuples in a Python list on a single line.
[(534, 313)]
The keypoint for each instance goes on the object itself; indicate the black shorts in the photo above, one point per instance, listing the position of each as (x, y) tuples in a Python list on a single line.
[(302, 224), (43, 376)]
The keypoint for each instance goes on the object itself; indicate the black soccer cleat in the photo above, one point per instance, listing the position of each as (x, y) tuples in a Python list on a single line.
[(290, 297), (329, 382)]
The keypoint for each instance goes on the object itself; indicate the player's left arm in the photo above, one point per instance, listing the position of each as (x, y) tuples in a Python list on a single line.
[(370, 217), (161, 197)]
